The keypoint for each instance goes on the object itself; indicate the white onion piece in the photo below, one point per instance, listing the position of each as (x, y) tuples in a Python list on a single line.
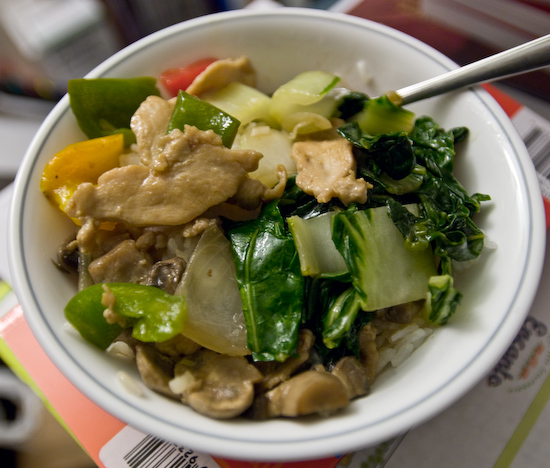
[(215, 317)]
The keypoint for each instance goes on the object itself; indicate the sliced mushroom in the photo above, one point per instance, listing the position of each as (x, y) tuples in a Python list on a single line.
[(368, 351), (68, 255), (123, 264), (353, 375), (166, 274), (155, 369), (311, 392), (216, 385), (277, 372), (403, 313)]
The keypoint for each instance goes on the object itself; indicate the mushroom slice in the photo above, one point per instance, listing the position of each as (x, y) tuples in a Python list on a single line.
[(123, 264), (155, 369), (67, 255), (276, 372), (166, 274), (353, 375), (216, 385), (311, 392), (368, 351), (403, 313)]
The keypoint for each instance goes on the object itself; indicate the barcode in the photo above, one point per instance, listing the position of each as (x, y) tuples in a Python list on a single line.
[(537, 141), (153, 452)]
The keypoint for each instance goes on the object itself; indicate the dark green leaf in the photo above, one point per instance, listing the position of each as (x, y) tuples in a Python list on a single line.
[(271, 284), (351, 104), (392, 151)]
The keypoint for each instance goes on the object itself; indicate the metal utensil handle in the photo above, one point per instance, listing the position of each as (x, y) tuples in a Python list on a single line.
[(523, 58)]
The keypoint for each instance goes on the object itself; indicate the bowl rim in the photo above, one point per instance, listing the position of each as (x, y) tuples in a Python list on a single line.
[(317, 448)]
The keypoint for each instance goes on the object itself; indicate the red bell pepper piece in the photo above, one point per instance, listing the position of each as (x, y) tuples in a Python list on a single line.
[(175, 79)]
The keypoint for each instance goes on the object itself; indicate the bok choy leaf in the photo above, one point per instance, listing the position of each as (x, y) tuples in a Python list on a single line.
[(444, 299), (384, 271)]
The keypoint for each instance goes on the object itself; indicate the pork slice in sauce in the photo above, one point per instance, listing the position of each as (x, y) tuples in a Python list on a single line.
[(149, 124), (204, 174), (326, 170)]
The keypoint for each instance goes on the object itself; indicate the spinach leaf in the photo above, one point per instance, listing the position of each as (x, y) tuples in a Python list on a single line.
[(351, 104), (392, 151), (336, 328), (340, 317), (447, 210), (270, 283), (433, 145)]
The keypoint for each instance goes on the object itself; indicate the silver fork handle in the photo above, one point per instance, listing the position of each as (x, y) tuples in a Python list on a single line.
[(526, 57)]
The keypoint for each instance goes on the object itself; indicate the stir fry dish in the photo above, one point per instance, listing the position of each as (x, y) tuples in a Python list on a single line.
[(258, 255)]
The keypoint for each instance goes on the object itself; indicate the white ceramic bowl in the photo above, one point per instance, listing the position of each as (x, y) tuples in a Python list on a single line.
[(498, 290)]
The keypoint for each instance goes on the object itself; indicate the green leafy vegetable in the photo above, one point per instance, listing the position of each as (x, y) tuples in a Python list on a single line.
[(331, 312), (384, 272), (104, 106), (243, 102), (444, 299), (381, 116), (190, 110), (303, 104), (153, 314), (392, 151), (316, 250), (446, 218), (340, 317), (407, 184), (444, 223), (270, 283), (351, 104)]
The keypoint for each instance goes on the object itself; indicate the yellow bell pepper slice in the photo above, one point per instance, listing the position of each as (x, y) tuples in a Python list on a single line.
[(79, 162)]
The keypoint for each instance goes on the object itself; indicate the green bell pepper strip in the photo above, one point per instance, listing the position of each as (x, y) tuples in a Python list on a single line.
[(190, 110), (104, 106), (154, 315)]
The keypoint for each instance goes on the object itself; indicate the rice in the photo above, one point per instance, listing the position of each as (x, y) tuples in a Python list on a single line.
[(402, 354), (403, 332), (121, 350), (385, 355), (396, 342)]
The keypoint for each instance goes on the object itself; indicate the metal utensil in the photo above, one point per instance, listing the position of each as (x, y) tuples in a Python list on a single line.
[(523, 58)]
